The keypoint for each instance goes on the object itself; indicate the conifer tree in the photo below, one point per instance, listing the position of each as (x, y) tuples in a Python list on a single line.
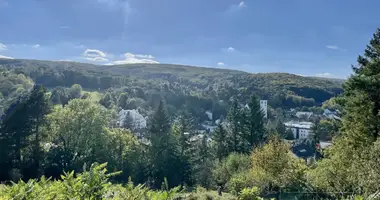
[(220, 139), (184, 130), (255, 123), (163, 149), (234, 119)]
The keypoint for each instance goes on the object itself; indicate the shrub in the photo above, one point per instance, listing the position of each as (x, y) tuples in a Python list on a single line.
[(240, 181), (249, 194), (92, 184)]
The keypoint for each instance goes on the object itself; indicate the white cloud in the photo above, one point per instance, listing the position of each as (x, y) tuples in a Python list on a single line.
[(92, 53), (230, 49), (5, 57), (220, 64), (242, 5), (334, 47), (325, 74), (130, 58), (95, 55), (3, 47), (237, 7), (36, 46)]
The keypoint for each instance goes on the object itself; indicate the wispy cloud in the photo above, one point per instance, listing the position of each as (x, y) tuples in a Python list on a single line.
[(3, 47), (36, 46), (242, 5), (5, 57), (130, 58), (65, 60), (237, 7), (220, 64), (325, 74), (229, 49), (335, 47)]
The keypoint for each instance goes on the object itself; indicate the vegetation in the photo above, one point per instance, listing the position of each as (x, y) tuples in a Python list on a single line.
[(58, 133)]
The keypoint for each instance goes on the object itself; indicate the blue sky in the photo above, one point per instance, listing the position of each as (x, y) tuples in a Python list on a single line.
[(308, 37)]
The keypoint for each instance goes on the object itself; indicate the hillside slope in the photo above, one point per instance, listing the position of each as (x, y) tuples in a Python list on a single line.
[(281, 89)]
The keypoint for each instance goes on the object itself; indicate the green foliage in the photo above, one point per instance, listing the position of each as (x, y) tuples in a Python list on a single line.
[(221, 142), (274, 167), (254, 122), (232, 166), (12, 85), (348, 167), (240, 180), (249, 194), (78, 133), (92, 184)]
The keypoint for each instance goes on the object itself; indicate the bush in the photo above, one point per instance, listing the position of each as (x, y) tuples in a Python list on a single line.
[(233, 164), (240, 181), (249, 194), (92, 184)]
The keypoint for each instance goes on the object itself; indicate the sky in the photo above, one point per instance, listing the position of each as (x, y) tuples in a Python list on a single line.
[(305, 37)]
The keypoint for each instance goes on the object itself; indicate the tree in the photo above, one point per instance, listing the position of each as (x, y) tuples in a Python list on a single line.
[(275, 168), (234, 119), (255, 123), (14, 131), (163, 149), (122, 100), (106, 100), (229, 167), (78, 133), (183, 130), (60, 95), (204, 163), (220, 139), (37, 108), (75, 92), (348, 164)]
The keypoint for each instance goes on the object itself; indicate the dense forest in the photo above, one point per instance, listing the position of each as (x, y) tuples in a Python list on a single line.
[(60, 137)]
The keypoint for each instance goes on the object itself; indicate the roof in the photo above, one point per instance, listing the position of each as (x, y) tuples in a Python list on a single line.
[(307, 114)]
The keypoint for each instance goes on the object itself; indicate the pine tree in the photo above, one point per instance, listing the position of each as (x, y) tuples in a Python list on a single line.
[(352, 162), (362, 91), (234, 117), (37, 108), (21, 121), (255, 123), (220, 139), (13, 131), (183, 130), (163, 149), (204, 163)]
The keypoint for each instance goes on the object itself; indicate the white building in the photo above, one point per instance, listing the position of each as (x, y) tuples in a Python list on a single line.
[(264, 107), (300, 130), (138, 121)]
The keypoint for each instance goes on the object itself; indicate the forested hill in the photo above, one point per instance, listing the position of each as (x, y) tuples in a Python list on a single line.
[(281, 89)]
